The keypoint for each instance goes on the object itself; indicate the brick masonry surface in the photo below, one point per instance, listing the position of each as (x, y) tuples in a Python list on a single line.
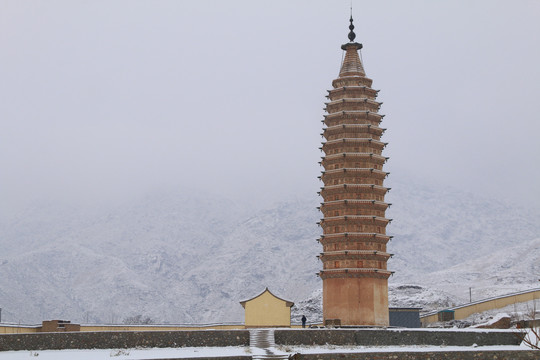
[(381, 337), (123, 339), (455, 355)]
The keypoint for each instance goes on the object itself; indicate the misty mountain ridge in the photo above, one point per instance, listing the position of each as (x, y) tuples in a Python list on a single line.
[(190, 257)]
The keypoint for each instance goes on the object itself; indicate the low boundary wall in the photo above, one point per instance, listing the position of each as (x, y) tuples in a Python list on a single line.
[(22, 329), (18, 329), (223, 338), (438, 355), (123, 339), (498, 302), (391, 337)]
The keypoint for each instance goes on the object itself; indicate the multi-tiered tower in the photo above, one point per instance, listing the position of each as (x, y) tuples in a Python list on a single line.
[(355, 277)]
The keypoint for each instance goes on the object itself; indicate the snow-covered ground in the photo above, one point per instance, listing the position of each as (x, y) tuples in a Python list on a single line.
[(356, 349), (168, 353), (101, 354)]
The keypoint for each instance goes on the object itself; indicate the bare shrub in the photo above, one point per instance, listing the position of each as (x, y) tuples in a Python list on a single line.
[(138, 320), (531, 337)]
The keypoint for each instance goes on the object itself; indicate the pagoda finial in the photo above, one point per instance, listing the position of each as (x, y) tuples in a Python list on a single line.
[(352, 35)]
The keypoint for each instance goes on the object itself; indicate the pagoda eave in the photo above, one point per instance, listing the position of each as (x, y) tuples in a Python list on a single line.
[(348, 90), (351, 79), (355, 203), (362, 219), (344, 173), (354, 100), (354, 114), (352, 128), (355, 255), (362, 188), (352, 155), (354, 273), (370, 141), (354, 237)]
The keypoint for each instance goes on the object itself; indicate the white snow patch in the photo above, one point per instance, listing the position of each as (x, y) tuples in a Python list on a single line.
[(419, 348), (493, 320), (110, 354), (163, 353)]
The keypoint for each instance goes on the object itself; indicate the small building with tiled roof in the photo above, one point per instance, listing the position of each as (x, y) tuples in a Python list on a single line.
[(267, 310)]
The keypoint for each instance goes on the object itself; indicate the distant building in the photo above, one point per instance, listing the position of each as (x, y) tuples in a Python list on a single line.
[(405, 317), (354, 274), (267, 310), (59, 326)]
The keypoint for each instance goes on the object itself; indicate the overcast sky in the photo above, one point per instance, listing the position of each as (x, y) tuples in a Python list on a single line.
[(103, 99)]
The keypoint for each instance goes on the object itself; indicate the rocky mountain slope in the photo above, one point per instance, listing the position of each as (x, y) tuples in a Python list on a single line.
[(501, 272), (182, 257)]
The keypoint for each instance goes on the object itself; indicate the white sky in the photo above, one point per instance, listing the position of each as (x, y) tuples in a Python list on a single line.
[(113, 98)]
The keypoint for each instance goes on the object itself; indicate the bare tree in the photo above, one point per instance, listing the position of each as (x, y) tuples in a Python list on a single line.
[(532, 337), (138, 320)]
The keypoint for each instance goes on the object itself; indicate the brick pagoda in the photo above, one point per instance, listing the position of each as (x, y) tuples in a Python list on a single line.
[(354, 274)]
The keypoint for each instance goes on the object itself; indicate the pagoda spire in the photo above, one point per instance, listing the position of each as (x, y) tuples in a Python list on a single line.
[(352, 65), (351, 35)]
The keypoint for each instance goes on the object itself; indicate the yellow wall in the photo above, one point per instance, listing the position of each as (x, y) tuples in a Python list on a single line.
[(29, 329), (158, 327), (465, 311), (18, 329), (267, 310), (22, 329), (429, 319)]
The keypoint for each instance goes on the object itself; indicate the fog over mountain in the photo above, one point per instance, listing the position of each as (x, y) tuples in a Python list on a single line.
[(188, 257)]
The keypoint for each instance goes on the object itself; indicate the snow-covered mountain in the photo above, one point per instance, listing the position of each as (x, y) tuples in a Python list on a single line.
[(186, 257), (436, 228), (501, 272)]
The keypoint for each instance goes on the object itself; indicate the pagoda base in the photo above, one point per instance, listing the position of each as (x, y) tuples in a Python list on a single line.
[(356, 301)]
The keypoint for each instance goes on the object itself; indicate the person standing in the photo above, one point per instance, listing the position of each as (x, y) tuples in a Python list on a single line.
[(304, 321)]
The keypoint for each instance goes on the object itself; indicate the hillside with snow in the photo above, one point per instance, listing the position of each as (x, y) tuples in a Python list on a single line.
[(185, 257)]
